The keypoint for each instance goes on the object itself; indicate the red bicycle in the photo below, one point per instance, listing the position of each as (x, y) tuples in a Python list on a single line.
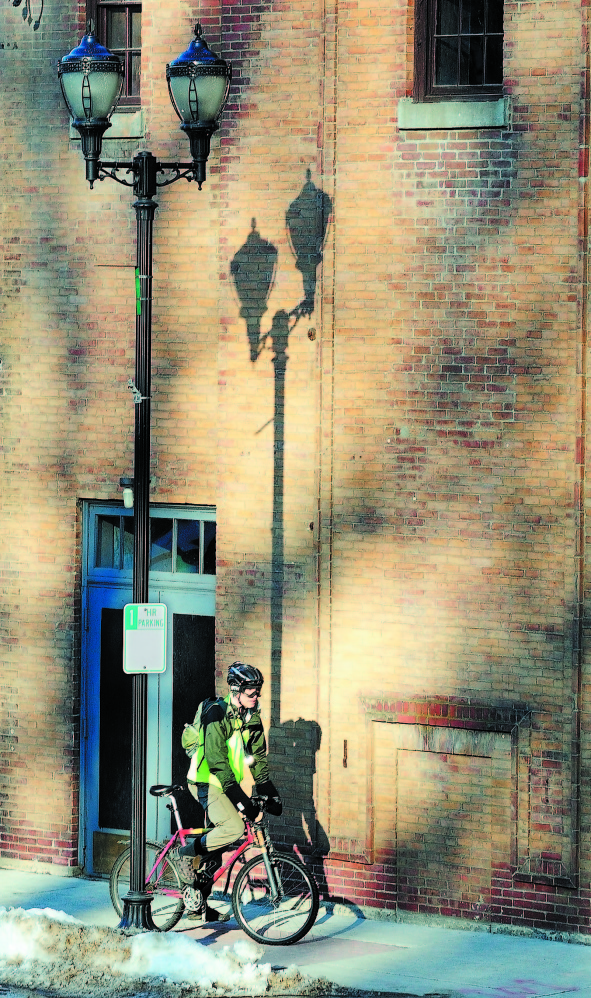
[(274, 897)]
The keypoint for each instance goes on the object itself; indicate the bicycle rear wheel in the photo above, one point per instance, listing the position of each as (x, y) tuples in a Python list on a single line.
[(275, 918), (166, 910)]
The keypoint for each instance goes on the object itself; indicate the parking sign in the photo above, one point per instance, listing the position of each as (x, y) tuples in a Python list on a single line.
[(144, 637)]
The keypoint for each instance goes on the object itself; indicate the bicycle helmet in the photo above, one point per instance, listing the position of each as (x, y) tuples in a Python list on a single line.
[(242, 676)]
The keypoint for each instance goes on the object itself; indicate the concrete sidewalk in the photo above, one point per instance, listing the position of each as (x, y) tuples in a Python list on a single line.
[(356, 952)]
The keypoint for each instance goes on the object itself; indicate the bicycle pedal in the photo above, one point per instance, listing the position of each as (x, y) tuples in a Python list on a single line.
[(203, 878), (192, 900)]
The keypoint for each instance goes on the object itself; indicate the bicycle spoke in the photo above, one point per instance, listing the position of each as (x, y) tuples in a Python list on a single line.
[(164, 885), (275, 917)]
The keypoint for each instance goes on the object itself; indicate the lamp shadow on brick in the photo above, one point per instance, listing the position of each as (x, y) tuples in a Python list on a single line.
[(307, 220), (253, 270), (254, 266)]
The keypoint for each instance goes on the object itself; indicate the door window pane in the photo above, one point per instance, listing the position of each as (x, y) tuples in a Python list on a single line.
[(161, 545), (107, 542), (187, 546), (182, 546), (128, 543), (208, 548)]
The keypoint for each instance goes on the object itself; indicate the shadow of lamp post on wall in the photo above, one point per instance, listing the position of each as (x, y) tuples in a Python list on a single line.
[(253, 270), (91, 78), (307, 220)]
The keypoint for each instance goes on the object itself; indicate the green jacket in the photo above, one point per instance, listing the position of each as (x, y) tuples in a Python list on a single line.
[(225, 738)]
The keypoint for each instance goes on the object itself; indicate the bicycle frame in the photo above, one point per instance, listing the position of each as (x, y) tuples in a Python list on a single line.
[(255, 836)]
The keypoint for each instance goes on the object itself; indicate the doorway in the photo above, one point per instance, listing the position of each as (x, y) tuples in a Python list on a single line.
[(182, 576)]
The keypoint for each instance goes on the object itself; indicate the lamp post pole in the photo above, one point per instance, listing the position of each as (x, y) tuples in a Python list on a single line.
[(198, 85), (136, 905)]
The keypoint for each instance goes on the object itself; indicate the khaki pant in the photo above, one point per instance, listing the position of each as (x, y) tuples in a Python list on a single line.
[(221, 813)]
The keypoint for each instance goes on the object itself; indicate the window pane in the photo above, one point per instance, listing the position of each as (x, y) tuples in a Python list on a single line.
[(448, 17), (134, 82), (136, 29), (161, 545), (471, 62), (116, 29), (187, 546), (208, 548), (494, 16), (107, 542), (465, 38), (472, 17), (494, 60), (446, 62)]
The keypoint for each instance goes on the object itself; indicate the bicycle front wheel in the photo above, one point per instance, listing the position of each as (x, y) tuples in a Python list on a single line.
[(166, 909), (279, 916)]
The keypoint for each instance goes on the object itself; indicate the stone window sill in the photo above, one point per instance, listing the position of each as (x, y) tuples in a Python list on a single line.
[(453, 114)]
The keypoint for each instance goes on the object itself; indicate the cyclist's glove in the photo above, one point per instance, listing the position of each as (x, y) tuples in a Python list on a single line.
[(267, 789), (242, 802)]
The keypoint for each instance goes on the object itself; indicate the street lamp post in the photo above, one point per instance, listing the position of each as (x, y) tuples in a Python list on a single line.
[(91, 78)]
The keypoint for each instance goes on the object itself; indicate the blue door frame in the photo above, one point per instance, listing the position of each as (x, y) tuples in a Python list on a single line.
[(189, 595)]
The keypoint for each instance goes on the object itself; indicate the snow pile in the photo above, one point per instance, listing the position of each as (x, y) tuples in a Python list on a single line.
[(22, 933), (42, 947), (186, 961)]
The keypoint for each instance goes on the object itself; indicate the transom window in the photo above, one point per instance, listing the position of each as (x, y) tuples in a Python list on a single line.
[(119, 27), (177, 545), (458, 49)]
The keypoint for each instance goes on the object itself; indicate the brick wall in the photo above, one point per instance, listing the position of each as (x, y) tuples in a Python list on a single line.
[(392, 430)]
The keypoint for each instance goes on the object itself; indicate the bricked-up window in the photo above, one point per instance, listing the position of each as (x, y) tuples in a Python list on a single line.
[(458, 49), (118, 25)]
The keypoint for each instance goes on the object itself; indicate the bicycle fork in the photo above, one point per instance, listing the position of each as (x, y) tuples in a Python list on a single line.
[(264, 840)]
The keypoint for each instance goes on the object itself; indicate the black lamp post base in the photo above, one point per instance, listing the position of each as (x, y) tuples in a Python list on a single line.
[(137, 913)]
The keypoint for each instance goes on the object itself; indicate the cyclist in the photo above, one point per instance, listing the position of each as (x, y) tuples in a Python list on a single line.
[(231, 737)]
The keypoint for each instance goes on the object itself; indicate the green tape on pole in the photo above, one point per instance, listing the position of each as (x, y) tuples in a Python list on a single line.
[(138, 301)]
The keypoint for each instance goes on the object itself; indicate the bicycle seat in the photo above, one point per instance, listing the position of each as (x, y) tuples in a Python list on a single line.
[(164, 789)]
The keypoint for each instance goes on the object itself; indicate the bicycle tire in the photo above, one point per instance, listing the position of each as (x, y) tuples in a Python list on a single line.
[(166, 911), (279, 922)]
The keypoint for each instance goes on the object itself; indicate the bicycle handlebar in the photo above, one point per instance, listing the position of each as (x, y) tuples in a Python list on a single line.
[(260, 801)]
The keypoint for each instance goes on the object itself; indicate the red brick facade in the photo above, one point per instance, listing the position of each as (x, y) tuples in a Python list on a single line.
[(392, 429)]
